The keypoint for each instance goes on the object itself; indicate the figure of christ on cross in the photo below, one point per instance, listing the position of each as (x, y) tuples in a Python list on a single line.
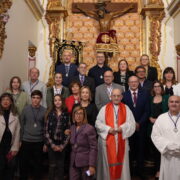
[(103, 16)]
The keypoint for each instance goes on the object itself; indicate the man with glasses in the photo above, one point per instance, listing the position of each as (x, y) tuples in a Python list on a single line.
[(115, 124), (140, 72), (83, 79), (138, 101), (98, 70), (103, 91)]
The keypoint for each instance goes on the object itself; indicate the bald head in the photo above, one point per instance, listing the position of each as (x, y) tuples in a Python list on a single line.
[(116, 96), (108, 77), (174, 104), (133, 83)]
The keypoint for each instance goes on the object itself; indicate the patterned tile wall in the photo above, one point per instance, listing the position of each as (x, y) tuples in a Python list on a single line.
[(85, 29)]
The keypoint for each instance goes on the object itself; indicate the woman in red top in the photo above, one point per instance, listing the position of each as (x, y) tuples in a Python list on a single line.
[(74, 87)]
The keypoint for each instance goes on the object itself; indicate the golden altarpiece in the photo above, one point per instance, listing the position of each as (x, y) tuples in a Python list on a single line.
[(137, 31)]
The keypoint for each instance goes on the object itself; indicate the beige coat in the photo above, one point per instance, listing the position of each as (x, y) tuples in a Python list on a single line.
[(14, 126)]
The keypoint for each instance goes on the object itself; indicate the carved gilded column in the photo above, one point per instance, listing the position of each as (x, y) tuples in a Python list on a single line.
[(54, 13), (154, 11), (5, 5)]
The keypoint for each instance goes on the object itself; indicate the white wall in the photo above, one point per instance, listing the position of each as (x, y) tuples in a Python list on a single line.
[(170, 37), (21, 27)]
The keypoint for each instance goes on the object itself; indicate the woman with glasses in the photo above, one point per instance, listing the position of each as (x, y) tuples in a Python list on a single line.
[(84, 147), (9, 136), (159, 105)]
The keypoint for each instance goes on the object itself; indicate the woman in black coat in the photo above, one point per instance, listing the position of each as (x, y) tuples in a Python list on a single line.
[(121, 77)]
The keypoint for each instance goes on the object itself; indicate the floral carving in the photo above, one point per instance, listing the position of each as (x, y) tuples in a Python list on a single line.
[(4, 7)]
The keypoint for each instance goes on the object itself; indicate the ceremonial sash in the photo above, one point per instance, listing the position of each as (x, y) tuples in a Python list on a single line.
[(115, 159)]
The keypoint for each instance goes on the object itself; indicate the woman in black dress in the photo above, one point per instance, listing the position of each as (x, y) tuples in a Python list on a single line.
[(159, 105), (121, 77), (85, 102)]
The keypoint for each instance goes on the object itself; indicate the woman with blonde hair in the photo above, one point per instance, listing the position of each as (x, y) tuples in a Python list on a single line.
[(84, 146), (86, 102)]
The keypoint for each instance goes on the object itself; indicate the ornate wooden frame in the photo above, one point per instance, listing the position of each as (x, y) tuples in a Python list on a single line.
[(154, 10), (5, 5)]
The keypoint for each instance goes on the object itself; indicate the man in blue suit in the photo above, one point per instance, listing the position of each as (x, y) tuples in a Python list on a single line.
[(138, 101), (67, 68)]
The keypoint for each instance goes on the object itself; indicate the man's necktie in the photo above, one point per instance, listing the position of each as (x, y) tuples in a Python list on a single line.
[(82, 80), (135, 98), (67, 70)]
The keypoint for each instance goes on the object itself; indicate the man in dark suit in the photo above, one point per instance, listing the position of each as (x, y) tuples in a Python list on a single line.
[(83, 79), (144, 83), (138, 102), (97, 71), (152, 73), (67, 68)]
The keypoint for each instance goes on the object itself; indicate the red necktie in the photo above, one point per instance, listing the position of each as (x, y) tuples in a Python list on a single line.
[(134, 98)]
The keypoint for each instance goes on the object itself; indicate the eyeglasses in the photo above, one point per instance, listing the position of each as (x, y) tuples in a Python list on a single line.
[(100, 57), (157, 86), (141, 71), (79, 113)]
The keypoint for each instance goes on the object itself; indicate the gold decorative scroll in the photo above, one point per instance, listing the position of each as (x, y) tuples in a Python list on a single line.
[(155, 12), (54, 13), (155, 38), (156, 2), (5, 5), (178, 49)]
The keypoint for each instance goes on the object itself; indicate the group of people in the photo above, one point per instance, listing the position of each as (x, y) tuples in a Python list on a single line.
[(101, 125)]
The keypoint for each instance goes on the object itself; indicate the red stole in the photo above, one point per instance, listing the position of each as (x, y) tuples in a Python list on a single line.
[(115, 159)]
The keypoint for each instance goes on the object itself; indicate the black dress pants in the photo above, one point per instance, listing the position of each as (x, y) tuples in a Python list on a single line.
[(31, 160), (56, 164)]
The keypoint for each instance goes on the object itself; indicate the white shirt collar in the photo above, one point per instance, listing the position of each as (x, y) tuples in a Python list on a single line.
[(136, 91)]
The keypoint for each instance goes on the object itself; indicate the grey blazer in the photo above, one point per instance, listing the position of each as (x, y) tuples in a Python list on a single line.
[(101, 95)]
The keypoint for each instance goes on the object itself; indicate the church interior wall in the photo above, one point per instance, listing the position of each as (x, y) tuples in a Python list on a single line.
[(85, 29), (170, 38), (21, 28)]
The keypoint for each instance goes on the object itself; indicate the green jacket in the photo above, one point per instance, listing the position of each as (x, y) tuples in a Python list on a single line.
[(50, 95), (21, 100)]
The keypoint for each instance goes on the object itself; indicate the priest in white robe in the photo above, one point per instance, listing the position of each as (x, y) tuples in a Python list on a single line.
[(115, 123), (176, 89), (166, 137)]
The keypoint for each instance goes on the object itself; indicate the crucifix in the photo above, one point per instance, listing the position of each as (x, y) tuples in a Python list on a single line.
[(104, 12)]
